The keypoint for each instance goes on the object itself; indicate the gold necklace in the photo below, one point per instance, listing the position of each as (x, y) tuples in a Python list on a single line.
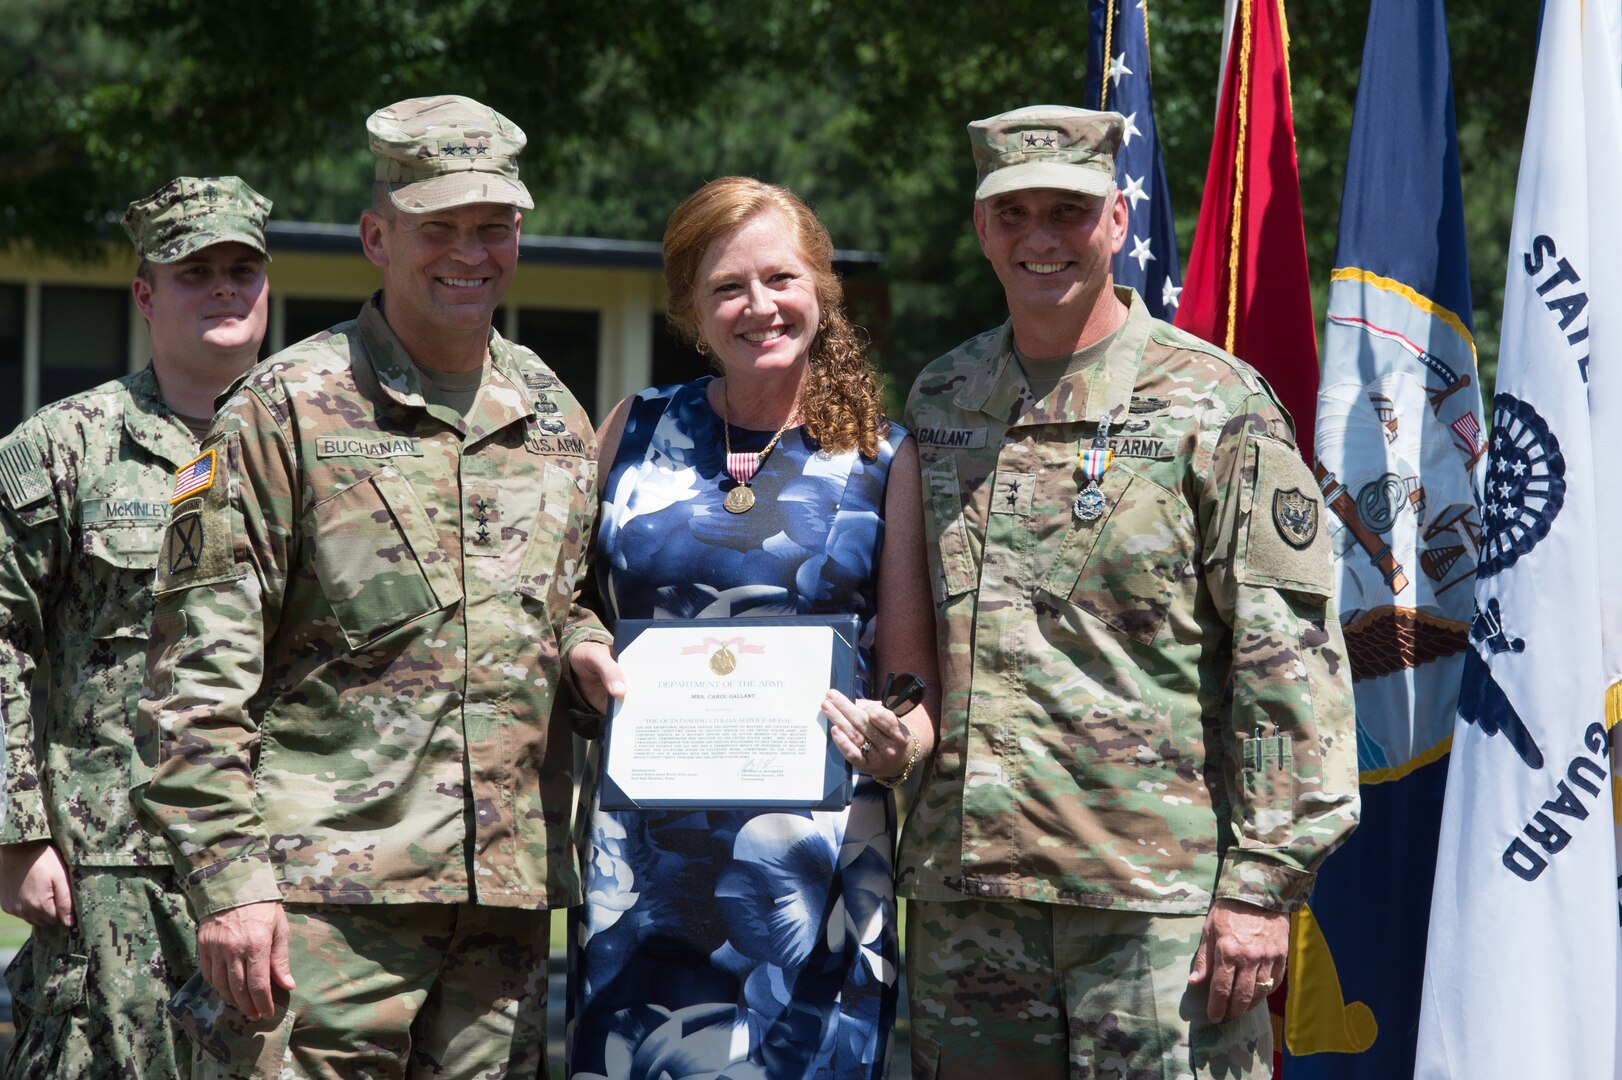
[(742, 467)]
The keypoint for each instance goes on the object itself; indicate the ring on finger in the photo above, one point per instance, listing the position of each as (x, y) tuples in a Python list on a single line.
[(867, 747), (1265, 986)]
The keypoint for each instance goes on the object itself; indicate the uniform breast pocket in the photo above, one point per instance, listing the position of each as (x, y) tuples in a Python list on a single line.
[(1127, 567), (947, 531), (378, 558), (126, 557), (552, 559)]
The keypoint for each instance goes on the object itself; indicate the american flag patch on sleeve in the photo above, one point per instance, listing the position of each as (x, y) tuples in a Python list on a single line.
[(194, 477)]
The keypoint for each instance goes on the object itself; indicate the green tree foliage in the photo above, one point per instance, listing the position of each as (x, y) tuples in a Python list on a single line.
[(629, 106)]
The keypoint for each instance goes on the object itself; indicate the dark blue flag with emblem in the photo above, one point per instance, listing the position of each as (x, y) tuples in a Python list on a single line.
[(1400, 448), (1118, 80)]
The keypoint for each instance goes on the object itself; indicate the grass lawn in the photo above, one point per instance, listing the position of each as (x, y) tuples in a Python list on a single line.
[(13, 932)]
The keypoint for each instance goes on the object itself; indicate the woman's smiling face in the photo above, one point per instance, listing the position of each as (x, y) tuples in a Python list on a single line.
[(756, 298)]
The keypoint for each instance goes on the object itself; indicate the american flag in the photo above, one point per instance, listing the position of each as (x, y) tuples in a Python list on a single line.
[(195, 477), (1468, 429), (1118, 80)]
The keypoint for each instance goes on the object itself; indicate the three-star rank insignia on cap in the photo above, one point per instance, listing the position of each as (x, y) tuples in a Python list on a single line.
[(1295, 516)]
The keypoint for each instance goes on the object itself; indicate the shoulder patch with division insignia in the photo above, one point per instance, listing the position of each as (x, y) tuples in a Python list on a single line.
[(1295, 516), (23, 479)]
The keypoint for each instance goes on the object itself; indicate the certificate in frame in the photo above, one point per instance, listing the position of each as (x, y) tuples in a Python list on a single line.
[(726, 714)]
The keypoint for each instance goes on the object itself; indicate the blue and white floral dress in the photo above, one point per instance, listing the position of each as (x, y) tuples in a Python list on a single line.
[(740, 944)]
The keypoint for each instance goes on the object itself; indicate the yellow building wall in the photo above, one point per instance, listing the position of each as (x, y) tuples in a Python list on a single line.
[(624, 299)]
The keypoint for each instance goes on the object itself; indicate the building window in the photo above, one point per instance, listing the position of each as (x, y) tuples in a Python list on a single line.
[(303, 318), (675, 361), (12, 301), (567, 341), (84, 338)]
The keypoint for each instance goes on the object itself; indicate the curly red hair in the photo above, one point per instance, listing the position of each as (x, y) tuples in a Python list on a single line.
[(839, 402)]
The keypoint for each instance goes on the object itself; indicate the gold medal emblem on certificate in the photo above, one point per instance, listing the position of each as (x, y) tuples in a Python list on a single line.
[(722, 660)]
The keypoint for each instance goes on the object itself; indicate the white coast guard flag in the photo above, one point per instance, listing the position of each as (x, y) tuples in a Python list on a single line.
[(1522, 963)]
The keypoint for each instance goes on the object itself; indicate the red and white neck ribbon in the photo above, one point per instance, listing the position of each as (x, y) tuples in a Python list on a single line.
[(741, 467)]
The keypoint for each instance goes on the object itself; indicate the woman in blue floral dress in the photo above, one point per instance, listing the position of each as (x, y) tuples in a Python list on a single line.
[(754, 943)]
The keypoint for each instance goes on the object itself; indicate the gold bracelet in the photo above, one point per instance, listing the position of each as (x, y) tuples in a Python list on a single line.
[(893, 782)]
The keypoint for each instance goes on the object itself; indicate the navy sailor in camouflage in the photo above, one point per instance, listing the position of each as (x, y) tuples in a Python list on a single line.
[(363, 600), (1146, 739), (84, 498)]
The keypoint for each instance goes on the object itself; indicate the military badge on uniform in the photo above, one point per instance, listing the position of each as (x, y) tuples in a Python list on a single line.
[(23, 479), (1094, 462), (194, 477), (186, 543), (1295, 516)]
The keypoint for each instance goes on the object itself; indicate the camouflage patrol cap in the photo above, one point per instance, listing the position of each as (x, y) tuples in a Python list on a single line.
[(1046, 146), (440, 152), (190, 213)]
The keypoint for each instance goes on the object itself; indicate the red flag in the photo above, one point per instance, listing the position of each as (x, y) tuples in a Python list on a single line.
[(1246, 288)]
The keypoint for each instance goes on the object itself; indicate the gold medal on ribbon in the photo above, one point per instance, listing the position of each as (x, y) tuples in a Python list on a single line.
[(722, 660), (742, 466)]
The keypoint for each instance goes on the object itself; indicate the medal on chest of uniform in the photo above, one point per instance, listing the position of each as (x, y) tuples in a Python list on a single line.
[(743, 466), (1094, 462)]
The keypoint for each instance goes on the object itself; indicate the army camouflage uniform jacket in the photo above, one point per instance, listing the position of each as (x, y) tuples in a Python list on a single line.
[(361, 608), (1151, 709), (84, 488)]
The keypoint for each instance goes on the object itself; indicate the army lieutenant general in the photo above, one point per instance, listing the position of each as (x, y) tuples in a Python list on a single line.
[(362, 603), (1146, 737), (84, 497)]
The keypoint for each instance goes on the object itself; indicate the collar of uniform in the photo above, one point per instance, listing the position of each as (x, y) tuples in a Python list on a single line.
[(389, 359), (152, 425), (1105, 388), (502, 399), (989, 378)]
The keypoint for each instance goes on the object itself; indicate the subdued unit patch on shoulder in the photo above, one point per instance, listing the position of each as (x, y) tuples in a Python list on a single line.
[(199, 547), (23, 479), (1286, 545), (1295, 516)]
